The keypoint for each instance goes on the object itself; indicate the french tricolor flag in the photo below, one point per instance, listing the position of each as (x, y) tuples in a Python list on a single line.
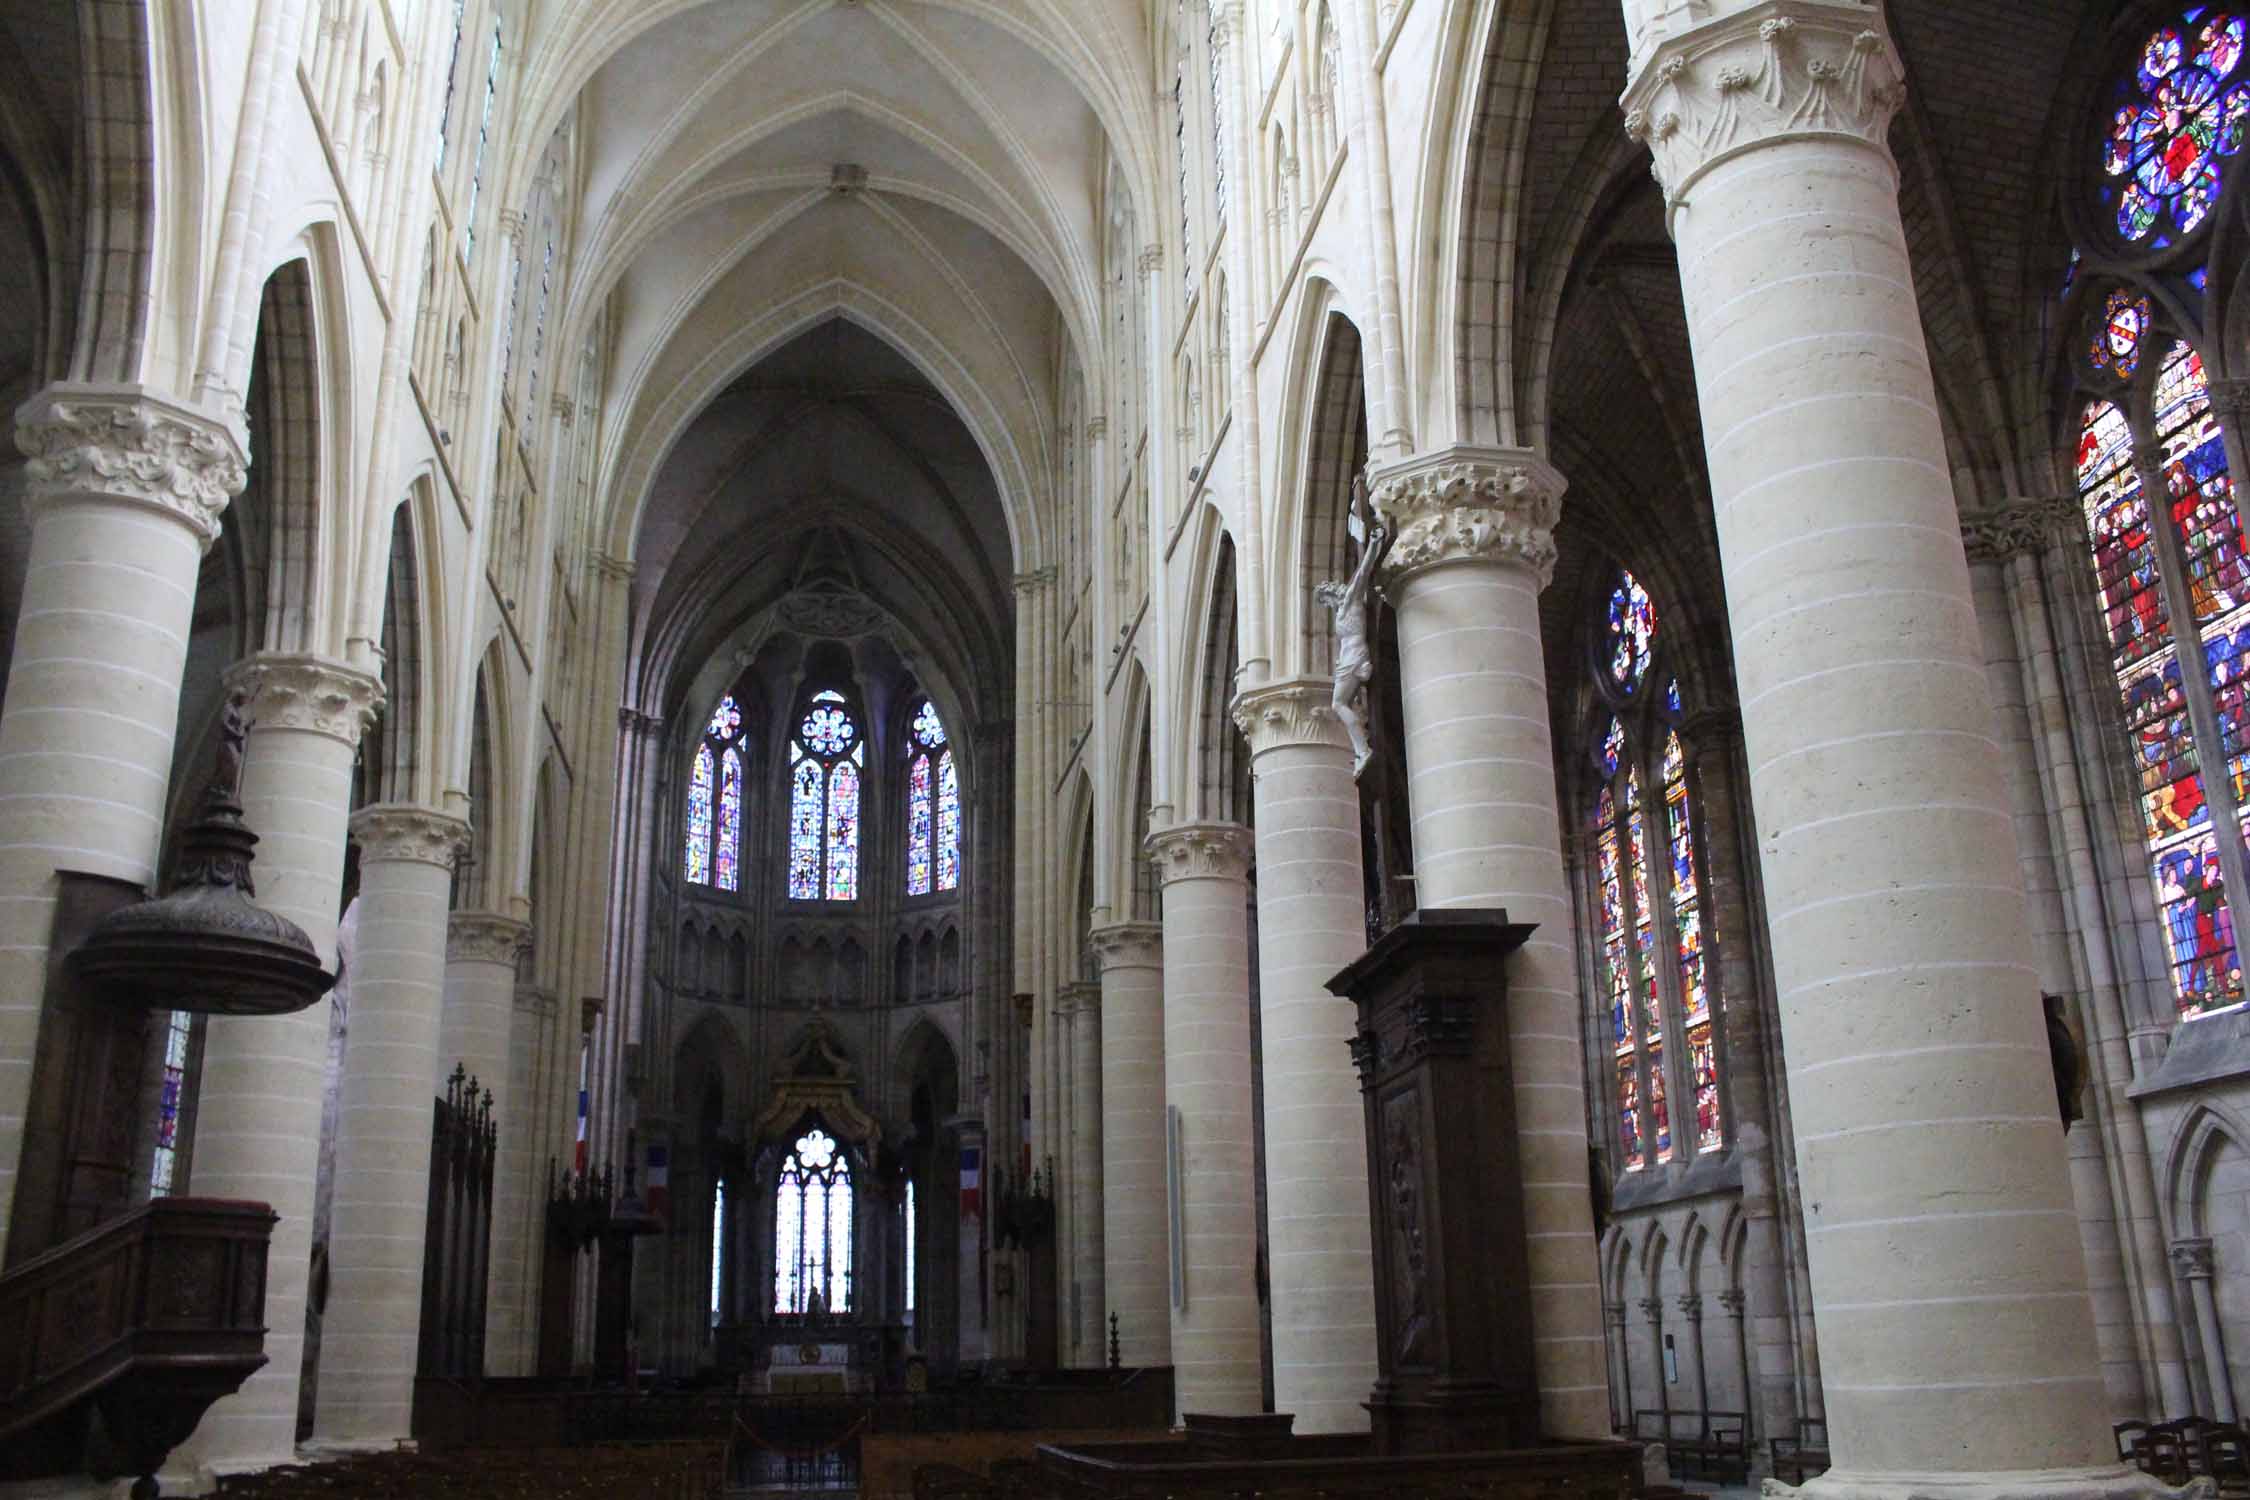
[(972, 1182), (659, 1194), (579, 1160)]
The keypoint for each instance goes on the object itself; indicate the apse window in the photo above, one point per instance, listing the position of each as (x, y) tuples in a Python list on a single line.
[(714, 801), (933, 807), (812, 1240), (826, 760)]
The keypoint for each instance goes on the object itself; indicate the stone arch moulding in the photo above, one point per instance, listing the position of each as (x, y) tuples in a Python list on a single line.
[(2208, 1129)]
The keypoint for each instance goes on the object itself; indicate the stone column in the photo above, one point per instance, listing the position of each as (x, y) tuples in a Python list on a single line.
[(2192, 1262), (1475, 545), (1080, 1008), (1652, 1308), (476, 1030), (263, 1090), (519, 1194), (1133, 1218), (975, 1336), (1312, 922), (1691, 1308), (1733, 1302), (124, 489), (1216, 1356), (1621, 1420), (369, 1337), (1958, 1346)]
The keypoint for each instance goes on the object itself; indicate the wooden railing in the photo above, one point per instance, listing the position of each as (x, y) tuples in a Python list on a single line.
[(151, 1317)]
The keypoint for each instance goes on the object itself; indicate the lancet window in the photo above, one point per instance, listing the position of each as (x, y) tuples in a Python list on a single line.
[(714, 801), (827, 758), (812, 1241), (2154, 483), (1662, 1056), (933, 807)]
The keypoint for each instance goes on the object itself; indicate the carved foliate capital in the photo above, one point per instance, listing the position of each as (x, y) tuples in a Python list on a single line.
[(2021, 526), (534, 1001), (1652, 1308), (407, 832), (1201, 851), (120, 442), (2191, 1258), (309, 693), (1129, 945), (1692, 1306), (620, 568), (1465, 504), (1151, 261), (1079, 999), (1709, 90), (1732, 1301), (485, 937), (1295, 712), (1031, 582), (1097, 428), (512, 221)]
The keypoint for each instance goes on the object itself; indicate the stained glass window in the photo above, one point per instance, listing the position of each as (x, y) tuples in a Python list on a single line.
[(948, 824), (714, 801), (843, 829), (484, 137), (718, 1249), (1632, 633), (699, 816), (165, 1161), (2199, 540), (812, 1242), (727, 861), (920, 819), (933, 807), (452, 78), (1654, 975), (906, 1212), (2175, 116), (2115, 347), (826, 759)]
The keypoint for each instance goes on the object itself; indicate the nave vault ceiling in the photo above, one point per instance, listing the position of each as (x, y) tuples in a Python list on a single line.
[(840, 252)]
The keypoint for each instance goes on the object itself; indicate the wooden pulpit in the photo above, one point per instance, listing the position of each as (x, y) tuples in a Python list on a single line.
[(1445, 1185)]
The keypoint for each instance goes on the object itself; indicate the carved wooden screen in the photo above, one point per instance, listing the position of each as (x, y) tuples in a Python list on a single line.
[(456, 1251)]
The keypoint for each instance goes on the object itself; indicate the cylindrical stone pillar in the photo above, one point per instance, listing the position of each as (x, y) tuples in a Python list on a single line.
[(519, 1194), (1958, 1344), (1080, 1008), (258, 1116), (1217, 1358), (124, 490), (974, 1323), (369, 1337), (1133, 1220), (1312, 922), (1474, 545), (476, 1031)]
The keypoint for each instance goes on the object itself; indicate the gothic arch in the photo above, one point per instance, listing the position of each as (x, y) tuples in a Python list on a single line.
[(395, 764), (2208, 1130), (710, 1054)]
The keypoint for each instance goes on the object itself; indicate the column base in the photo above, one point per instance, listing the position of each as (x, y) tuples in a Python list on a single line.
[(314, 1450), (2115, 1482)]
